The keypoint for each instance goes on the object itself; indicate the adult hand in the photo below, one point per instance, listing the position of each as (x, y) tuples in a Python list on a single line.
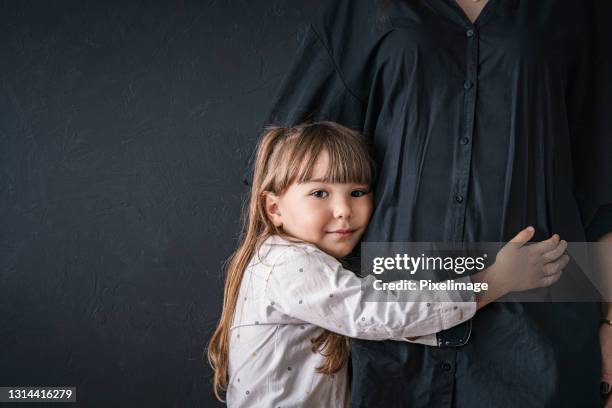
[(605, 339), (604, 260)]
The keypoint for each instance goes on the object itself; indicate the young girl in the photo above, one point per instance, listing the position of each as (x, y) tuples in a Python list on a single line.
[(288, 301)]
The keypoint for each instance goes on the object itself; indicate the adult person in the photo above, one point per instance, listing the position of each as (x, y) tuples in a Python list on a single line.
[(483, 119)]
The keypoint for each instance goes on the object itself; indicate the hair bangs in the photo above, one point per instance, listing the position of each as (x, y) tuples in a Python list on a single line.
[(349, 160), (348, 163)]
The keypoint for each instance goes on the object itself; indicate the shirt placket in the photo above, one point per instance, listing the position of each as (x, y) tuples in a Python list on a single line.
[(464, 144), (446, 358)]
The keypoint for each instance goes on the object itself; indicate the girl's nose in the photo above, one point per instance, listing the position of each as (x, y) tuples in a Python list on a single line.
[(342, 209)]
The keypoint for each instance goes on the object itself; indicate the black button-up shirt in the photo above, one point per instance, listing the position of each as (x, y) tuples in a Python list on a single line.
[(478, 131)]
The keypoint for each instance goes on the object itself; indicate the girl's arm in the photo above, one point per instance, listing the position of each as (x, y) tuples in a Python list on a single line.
[(312, 286)]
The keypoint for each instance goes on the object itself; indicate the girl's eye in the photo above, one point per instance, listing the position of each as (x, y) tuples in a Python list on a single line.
[(319, 194), (358, 193)]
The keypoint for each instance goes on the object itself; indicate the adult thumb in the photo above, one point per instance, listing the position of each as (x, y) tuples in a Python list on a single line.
[(524, 236)]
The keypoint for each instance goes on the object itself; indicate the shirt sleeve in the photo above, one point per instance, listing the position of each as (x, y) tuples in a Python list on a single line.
[(313, 89), (591, 123), (315, 288)]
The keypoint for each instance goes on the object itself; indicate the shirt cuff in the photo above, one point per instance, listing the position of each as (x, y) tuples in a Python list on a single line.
[(428, 340), (456, 313), (452, 315)]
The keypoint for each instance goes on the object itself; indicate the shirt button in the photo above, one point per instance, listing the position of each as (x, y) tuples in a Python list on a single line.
[(467, 84), (469, 33), (445, 366), (464, 140), (459, 198)]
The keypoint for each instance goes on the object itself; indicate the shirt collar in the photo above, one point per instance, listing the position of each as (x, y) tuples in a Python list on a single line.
[(452, 10), (279, 240)]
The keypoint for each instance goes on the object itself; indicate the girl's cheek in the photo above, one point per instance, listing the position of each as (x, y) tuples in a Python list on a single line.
[(370, 207), (364, 207), (314, 213)]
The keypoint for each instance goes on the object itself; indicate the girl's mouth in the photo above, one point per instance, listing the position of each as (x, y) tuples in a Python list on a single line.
[(342, 232)]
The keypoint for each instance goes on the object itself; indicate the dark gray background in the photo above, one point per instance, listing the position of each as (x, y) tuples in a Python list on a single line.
[(124, 130)]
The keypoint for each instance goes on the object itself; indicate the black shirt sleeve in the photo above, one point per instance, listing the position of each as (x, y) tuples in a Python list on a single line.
[(602, 221), (593, 145)]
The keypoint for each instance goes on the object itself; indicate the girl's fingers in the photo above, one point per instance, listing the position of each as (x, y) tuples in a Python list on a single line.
[(550, 279), (555, 267), (554, 270), (547, 245), (523, 236), (556, 252)]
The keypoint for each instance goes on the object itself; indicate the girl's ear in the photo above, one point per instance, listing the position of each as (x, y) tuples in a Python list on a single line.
[(273, 210)]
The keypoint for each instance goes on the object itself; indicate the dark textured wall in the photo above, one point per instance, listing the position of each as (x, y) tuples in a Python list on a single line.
[(124, 128)]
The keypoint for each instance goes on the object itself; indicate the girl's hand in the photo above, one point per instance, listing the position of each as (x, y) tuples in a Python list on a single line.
[(520, 267)]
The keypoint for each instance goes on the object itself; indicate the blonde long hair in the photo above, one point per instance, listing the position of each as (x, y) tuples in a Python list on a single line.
[(286, 155)]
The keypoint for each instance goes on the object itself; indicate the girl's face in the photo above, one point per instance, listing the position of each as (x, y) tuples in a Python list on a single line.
[(333, 216)]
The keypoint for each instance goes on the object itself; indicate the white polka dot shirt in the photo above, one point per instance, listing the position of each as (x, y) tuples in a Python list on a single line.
[(288, 295)]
